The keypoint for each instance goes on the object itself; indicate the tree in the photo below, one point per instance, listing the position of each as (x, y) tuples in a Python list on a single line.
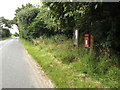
[(4, 27), (5, 22), (16, 34), (24, 17), (99, 19)]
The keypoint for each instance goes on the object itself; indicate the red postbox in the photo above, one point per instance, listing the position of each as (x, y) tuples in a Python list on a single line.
[(87, 40)]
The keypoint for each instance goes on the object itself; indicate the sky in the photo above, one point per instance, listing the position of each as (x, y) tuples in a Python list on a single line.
[(8, 7)]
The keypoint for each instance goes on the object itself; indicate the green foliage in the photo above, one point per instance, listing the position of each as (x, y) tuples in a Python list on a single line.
[(4, 27), (5, 22), (99, 67), (16, 34), (4, 33), (103, 22), (64, 16), (99, 19), (24, 19), (71, 67)]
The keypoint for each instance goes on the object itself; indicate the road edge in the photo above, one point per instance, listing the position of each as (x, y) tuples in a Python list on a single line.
[(38, 69)]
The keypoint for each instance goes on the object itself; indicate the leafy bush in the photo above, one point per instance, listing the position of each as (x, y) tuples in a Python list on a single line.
[(24, 19), (4, 33), (99, 67)]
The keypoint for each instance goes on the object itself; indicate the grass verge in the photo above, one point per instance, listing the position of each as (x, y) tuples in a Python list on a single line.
[(4, 38), (69, 67)]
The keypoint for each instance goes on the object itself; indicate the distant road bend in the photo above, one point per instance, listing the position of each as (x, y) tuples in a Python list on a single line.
[(18, 68)]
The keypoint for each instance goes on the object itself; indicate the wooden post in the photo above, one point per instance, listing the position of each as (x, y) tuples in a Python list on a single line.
[(91, 44)]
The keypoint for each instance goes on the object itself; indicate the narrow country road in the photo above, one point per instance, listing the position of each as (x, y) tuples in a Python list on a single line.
[(18, 68)]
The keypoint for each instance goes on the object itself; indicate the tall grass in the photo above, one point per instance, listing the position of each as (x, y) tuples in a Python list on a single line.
[(70, 66)]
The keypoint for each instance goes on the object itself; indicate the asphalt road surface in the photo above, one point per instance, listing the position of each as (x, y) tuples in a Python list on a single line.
[(19, 70)]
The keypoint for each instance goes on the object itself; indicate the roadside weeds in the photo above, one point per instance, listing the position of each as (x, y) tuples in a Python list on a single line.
[(62, 75)]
